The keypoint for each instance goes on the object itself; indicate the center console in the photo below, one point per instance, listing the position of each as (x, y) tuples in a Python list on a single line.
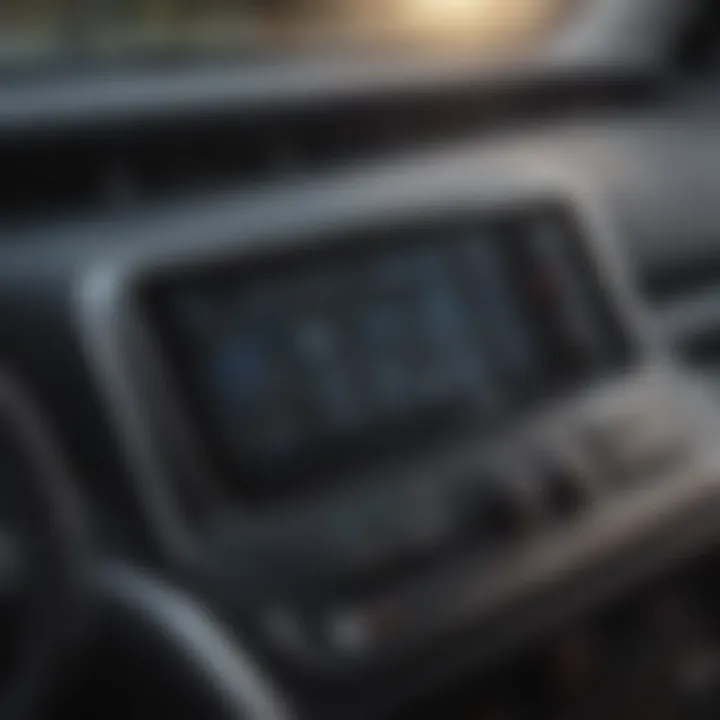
[(396, 430)]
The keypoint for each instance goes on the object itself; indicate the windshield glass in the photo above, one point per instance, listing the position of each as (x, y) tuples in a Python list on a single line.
[(33, 29)]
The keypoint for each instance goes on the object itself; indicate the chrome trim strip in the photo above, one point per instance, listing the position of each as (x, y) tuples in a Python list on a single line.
[(211, 648)]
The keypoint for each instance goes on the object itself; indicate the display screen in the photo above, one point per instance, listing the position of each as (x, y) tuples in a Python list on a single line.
[(342, 354)]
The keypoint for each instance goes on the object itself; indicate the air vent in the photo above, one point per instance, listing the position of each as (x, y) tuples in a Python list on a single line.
[(92, 162), (125, 166), (683, 278), (703, 349), (130, 167), (686, 300)]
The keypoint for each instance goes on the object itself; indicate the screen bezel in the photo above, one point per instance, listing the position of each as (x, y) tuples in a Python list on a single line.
[(385, 444)]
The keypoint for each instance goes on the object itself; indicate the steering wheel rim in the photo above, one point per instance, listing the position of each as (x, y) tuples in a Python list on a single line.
[(52, 513)]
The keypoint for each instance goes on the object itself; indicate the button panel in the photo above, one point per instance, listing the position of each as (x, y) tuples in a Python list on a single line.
[(451, 539), (490, 508), (563, 494), (639, 432)]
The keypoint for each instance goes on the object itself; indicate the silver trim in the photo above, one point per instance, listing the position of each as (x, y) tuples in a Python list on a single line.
[(58, 606), (211, 648), (104, 336)]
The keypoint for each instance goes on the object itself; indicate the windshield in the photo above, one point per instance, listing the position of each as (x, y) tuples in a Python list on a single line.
[(33, 29)]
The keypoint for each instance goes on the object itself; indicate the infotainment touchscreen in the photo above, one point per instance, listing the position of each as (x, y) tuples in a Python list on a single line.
[(324, 358)]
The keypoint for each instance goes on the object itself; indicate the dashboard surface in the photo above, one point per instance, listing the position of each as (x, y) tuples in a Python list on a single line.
[(326, 574)]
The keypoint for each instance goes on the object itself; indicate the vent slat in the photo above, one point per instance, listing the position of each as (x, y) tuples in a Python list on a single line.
[(689, 276), (686, 301)]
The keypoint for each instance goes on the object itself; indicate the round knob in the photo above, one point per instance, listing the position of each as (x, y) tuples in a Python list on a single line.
[(491, 509), (563, 493)]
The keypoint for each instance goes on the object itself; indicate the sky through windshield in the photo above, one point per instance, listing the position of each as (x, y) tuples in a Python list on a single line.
[(32, 28)]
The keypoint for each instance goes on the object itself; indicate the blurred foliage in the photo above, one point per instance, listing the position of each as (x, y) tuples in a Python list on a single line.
[(18, 12), (119, 24)]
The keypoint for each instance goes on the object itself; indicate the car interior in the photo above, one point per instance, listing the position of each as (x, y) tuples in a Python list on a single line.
[(360, 360)]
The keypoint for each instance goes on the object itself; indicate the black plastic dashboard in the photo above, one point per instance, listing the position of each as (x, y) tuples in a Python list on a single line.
[(401, 554), (369, 570)]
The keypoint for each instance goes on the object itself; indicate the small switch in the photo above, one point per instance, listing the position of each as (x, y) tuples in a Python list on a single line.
[(491, 509), (563, 494), (632, 446)]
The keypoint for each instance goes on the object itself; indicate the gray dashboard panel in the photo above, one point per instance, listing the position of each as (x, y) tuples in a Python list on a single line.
[(648, 183), (113, 331)]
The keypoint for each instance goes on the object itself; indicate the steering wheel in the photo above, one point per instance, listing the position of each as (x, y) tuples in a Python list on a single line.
[(47, 522)]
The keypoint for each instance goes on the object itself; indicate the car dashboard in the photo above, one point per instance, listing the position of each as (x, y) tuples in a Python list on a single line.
[(398, 424)]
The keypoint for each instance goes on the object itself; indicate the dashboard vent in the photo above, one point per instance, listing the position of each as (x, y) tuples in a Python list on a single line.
[(128, 167), (88, 168), (686, 300), (683, 278), (91, 163)]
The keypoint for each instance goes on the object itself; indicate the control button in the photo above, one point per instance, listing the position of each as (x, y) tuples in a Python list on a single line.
[(636, 445), (390, 532), (563, 494), (491, 509), (347, 632), (389, 537)]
